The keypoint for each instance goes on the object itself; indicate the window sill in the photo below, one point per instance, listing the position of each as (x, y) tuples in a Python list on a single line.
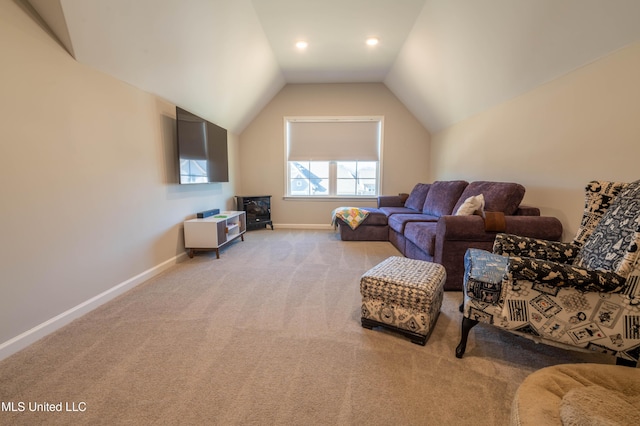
[(330, 198)]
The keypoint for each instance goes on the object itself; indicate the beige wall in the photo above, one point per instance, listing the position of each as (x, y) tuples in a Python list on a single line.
[(580, 127), (87, 164), (405, 154), (87, 180)]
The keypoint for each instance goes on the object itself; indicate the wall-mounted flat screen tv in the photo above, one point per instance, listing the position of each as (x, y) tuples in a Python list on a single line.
[(202, 149)]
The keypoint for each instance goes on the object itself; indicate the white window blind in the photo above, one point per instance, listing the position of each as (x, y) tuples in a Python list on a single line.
[(333, 140)]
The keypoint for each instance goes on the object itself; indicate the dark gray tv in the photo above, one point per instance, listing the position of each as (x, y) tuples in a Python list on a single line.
[(202, 150)]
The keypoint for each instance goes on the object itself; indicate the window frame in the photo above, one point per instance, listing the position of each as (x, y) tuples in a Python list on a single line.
[(333, 179)]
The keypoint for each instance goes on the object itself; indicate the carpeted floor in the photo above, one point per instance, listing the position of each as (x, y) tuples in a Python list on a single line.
[(268, 334)]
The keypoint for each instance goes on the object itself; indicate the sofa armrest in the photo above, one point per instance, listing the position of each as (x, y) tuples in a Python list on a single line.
[(516, 245), (471, 228), (462, 228), (556, 274), (527, 211), (391, 201)]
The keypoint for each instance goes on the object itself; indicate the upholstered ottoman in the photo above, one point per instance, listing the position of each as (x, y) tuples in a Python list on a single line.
[(403, 295)]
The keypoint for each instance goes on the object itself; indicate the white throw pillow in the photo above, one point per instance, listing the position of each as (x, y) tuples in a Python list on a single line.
[(472, 205)]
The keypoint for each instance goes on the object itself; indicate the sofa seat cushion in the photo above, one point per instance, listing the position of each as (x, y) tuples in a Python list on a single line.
[(398, 210), (398, 222), (423, 235), (498, 196), (375, 218), (442, 197)]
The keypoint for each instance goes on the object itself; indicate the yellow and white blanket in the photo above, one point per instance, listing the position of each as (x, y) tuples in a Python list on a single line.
[(352, 216)]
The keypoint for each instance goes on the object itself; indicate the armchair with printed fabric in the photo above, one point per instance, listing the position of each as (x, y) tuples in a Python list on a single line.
[(580, 295)]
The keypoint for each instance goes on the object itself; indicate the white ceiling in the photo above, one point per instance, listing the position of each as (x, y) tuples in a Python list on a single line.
[(445, 59), (336, 31)]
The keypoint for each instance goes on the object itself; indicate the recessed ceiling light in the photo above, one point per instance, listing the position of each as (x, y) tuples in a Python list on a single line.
[(372, 41), (302, 45)]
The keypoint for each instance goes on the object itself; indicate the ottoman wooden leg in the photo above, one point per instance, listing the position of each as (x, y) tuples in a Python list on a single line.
[(367, 323), (416, 338)]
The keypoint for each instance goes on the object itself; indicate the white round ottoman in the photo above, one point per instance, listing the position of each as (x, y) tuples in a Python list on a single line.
[(578, 394)]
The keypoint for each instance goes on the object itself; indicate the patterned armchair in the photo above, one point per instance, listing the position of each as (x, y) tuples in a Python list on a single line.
[(581, 295)]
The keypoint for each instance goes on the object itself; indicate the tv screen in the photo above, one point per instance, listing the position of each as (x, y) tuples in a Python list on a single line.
[(202, 149)]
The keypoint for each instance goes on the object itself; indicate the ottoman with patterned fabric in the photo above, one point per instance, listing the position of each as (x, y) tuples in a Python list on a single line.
[(403, 295)]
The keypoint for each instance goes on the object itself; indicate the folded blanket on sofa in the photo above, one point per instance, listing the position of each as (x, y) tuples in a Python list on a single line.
[(352, 216)]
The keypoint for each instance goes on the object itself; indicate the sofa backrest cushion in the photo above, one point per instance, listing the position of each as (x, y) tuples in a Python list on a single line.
[(597, 199), (443, 196), (502, 197), (417, 196), (613, 244)]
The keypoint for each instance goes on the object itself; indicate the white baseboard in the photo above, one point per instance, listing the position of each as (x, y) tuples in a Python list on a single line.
[(301, 226), (23, 340)]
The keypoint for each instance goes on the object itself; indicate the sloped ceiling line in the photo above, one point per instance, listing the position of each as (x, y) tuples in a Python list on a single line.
[(444, 59)]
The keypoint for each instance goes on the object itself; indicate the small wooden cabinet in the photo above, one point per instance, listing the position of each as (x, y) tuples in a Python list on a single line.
[(213, 232)]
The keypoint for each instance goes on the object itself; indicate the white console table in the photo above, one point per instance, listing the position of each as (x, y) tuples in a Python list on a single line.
[(213, 232)]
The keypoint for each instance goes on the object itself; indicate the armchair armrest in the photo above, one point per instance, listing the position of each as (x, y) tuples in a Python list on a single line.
[(517, 245), (562, 275), (483, 275), (391, 201)]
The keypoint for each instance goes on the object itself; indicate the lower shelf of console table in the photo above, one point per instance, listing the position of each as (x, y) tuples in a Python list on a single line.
[(214, 232)]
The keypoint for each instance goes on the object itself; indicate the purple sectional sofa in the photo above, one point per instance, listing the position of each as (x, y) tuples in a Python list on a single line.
[(425, 226)]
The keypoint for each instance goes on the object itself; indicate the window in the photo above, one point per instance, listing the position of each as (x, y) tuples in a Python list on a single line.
[(333, 156), (357, 178)]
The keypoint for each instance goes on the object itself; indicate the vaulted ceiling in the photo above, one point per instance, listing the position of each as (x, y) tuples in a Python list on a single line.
[(445, 60)]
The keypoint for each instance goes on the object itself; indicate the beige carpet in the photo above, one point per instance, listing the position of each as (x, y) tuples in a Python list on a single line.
[(268, 334)]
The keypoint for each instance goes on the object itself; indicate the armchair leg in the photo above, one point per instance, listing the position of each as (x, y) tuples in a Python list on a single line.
[(467, 325), (626, 362)]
